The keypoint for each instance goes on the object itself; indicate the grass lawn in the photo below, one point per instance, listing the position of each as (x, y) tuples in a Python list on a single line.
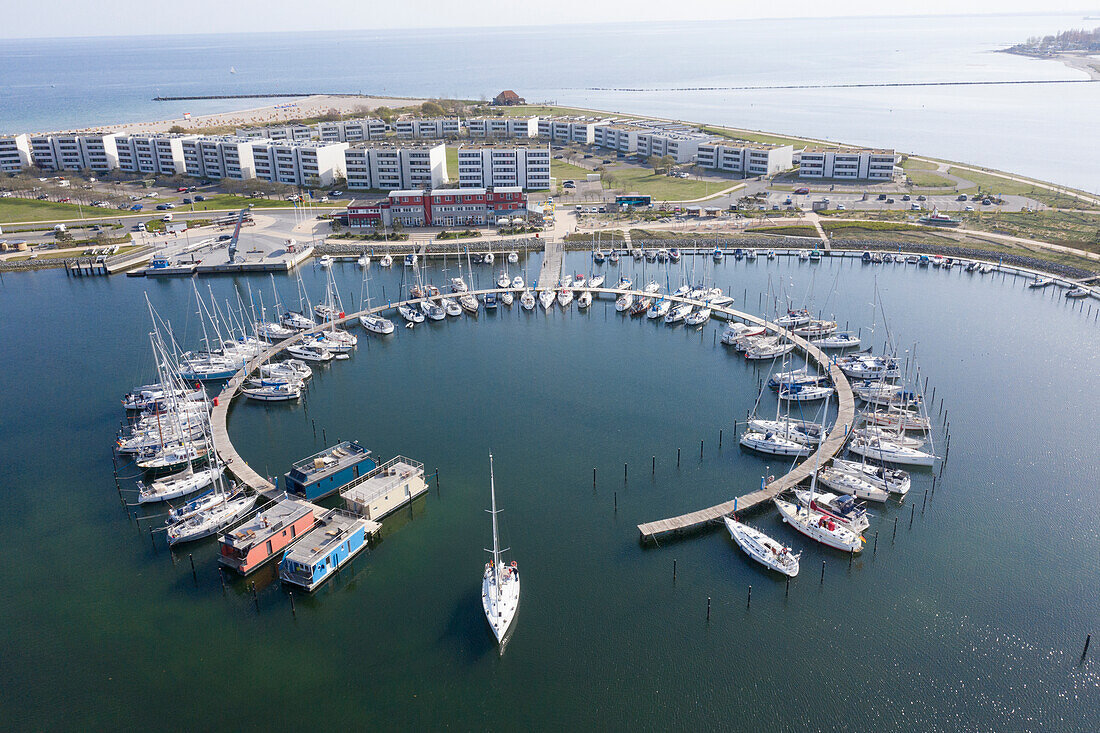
[(841, 228), (991, 183), (1080, 230), (925, 179), (452, 163), (564, 171), (661, 187), (912, 164), (17, 209)]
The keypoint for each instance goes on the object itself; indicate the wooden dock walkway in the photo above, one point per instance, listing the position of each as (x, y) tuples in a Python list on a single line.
[(550, 272), (829, 447)]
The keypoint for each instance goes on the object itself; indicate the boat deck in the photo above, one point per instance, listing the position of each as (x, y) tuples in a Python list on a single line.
[(332, 529)]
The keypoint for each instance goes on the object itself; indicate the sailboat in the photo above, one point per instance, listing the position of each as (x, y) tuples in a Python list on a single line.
[(762, 548), (499, 584), (818, 525), (298, 320), (372, 321)]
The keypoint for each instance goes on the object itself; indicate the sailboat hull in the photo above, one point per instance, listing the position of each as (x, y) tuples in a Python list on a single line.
[(500, 610)]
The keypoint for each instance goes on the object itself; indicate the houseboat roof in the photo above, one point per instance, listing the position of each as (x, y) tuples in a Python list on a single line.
[(331, 529), (328, 461), (389, 475), (266, 523)]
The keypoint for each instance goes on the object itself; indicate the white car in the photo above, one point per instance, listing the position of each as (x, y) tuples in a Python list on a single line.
[(968, 207), (841, 207)]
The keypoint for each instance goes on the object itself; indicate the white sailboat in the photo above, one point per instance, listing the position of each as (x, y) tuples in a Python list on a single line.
[(499, 584), (762, 548), (851, 484), (818, 525), (527, 300), (372, 321)]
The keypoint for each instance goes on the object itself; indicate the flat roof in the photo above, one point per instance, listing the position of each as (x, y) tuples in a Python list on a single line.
[(879, 151), (457, 191), (342, 454), (331, 529), (264, 524), (406, 192)]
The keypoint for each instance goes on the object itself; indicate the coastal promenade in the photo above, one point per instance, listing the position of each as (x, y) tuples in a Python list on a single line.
[(649, 531)]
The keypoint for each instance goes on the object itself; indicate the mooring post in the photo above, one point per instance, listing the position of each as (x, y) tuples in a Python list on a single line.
[(933, 486), (851, 556), (823, 571), (700, 449), (674, 570), (912, 511), (677, 458), (616, 501), (221, 577), (292, 611), (593, 477), (708, 608), (749, 604), (925, 502), (624, 473), (324, 436), (1088, 640), (437, 480), (720, 438), (193, 575), (787, 592), (152, 540), (895, 529), (875, 551), (314, 428), (255, 598), (653, 469)]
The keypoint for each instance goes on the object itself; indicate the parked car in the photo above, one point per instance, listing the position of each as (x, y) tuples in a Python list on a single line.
[(889, 201), (906, 197), (914, 206), (224, 237), (922, 197), (841, 207), (136, 207), (882, 197), (162, 207), (802, 191), (968, 207), (181, 189), (334, 194), (166, 218), (187, 201), (962, 197), (41, 197), (200, 198)]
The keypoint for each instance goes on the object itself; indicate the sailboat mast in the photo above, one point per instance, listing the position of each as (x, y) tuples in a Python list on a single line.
[(496, 541)]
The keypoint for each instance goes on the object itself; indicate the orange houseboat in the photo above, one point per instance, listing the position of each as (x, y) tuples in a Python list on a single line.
[(266, 534)]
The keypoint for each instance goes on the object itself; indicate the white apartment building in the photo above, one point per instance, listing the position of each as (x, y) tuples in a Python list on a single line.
[(298, 162), (72, 152), (351, 131), (738, 156), (395, 167), (431, 128), (682, 147), (15, 153), (493, 166), (847, 163), (156, 154), (620, 137), (502, 127), (277, 132), (570, 129), (220, 157)]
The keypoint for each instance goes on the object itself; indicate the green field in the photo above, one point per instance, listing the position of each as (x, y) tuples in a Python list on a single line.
[(565, 171), (926, 179), (17, 209), (991, 183), (912, 164), (661, 187), (452, 163)]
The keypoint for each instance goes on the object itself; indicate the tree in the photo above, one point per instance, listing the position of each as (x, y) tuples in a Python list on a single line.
[(385, 114), (176, 129), (432, 109)]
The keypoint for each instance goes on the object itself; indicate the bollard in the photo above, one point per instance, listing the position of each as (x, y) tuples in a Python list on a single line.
[(677, 458), (708, 608), (700, 449), (653, 470), (1088, 640), (749, 604), (875, 551), (292, 611), (593, 477), (822, 571), (895, 529), (720, 437), (912, 511), (193, 576)]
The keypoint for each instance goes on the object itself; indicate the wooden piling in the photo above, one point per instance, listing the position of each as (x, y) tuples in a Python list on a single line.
[(593, 477), (673, 570), (895, 529), (912, 512), (708, 608), (749, 604), (700, 449), (823, 572), (1088, 640), (720, 438), (677, 458), (925, 502), (292, 611), (616, 501), (193, 575), (653, 468), (255, 598), (875, 551)]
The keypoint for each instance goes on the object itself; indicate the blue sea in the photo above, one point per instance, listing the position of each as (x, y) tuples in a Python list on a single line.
[(1037, 130)]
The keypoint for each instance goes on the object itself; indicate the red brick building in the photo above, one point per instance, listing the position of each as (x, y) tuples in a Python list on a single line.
[(441, 207)]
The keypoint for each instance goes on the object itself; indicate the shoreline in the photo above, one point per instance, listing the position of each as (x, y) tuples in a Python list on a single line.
[(1081, 61)]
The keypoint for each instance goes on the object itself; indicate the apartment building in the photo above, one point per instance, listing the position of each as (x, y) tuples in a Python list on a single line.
[(156, 154), (220, 157), (277, 132), (493, 166), (298, 162), (501, 128), (431, 128), (620, 137), (681, 147), (570, 129), (351, 131), (747, 158), (15, 153), (395, 167), (449, 207), (847, 163)]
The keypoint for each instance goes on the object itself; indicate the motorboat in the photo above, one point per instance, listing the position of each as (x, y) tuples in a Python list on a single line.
[(838, 340), (804, 256), (468, 303), (297, 321), (579, 282), (490, 301), (613, 256), (866, 366), (717, 254), (850, 483), (274, 331), (386, 261), (736, 331), (289, 370), (674, 255), (410, 314), (800, 431), (1040, 282), (309, 352), (326, 261), (267, 390), (762, 548), (841, 507), (769, 348), (433, 310), (1077, 292), (458, 285)]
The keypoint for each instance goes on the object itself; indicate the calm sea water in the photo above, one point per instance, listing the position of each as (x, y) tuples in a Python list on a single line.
[(1037, 130), (973, 619)]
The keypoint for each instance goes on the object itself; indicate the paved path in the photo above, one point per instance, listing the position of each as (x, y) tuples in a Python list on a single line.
[(550, 272)]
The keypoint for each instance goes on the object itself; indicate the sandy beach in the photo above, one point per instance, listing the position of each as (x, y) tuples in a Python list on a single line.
[(288, 109)]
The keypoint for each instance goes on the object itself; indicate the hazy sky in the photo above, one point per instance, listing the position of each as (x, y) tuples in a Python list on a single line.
[(129, 17)]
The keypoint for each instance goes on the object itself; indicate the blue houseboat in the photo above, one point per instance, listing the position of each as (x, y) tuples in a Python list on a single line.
[(328, 471), (334, 540)]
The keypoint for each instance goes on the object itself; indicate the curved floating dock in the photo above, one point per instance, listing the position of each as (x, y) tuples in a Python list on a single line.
[(650, 530)]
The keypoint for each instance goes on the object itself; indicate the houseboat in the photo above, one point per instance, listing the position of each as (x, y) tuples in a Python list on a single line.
[(329, 471), (336, 538), (266, 534), (388, 487)]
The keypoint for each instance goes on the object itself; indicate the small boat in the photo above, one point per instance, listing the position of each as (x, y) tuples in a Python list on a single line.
[(717, 254), (912, 260), (450, 307), (364, 261), (738, 254), (309, 352), (851, 484), (468, 303), (1077, 292), (685, 290), (507, 297), (503, 281), (816, 329), (297, 321), (750, 254), (843, 508), (173, 459), (698, 318), (800, 431), (327, 312), (804, 256), (624, 302), (565, 297), (579, 281), (774, 444), (771, 254), (598, 256), (291, 370), (433, 310), (458, 285), (546, 298), (410, 314), (625, 283), (488, 258), (986, 269), (865, 366), (513, 257), (499, 583), (326, 261), (651, 255), (376, 323), (1040, 282), (804, 392), (517, 283), (877, 431), (641, 305), (651, 287), (769, 348), (274, 331), (584, 299), (896, 416), (720, 301), (923, 261), (819, 526), (410, 259), (212, 520), (527, 300), (386, 261), (613, 256), (637, 253), (490, 301), (762, 548), (883, 450), (815, 255), (838, 340), (795, 319), (679, 313), (596, 281), (176, 486), (270, 390), (894, 480), (659, 309), (674, 255)]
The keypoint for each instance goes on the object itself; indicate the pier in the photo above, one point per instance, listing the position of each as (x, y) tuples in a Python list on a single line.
[(648, 531), (550, 272)]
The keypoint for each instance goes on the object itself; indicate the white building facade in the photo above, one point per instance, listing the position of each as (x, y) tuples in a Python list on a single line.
[(429, 128), (750, 159), (847, 163), (351, 131), (395, 167), (493, 166), (15, 153), (502, 128)]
